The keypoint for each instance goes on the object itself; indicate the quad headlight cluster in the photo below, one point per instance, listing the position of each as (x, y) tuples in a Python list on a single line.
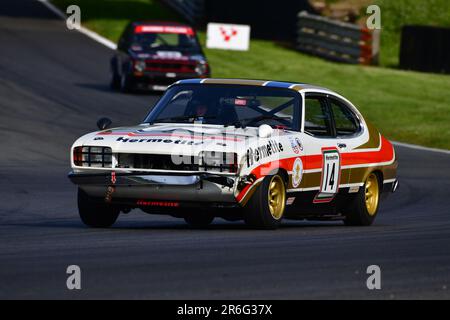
[(90, 156)]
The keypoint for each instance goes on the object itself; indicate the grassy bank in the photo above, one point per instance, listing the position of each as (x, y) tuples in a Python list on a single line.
[(395, 14), (405, 106)]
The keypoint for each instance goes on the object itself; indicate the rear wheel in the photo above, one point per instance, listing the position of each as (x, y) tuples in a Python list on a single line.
[(265, 209), (96, 214), (199, 219), (364, 208)]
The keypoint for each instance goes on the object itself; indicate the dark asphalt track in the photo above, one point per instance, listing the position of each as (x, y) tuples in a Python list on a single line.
[(53, 87)]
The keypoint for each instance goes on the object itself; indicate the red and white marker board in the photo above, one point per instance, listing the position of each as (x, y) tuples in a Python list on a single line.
[(228, 36)]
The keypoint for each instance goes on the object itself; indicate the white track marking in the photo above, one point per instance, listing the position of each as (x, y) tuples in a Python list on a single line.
[(416, 147), (91, 34)]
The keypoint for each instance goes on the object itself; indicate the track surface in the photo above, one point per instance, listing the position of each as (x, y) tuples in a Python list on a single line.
[(53, 87)]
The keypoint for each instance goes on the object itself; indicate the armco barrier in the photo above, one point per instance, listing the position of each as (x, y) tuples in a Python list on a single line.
[(337, 41), (192, 10)]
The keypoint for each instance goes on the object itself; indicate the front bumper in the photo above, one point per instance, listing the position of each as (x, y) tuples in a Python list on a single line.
[(154, 80), (202, 187)]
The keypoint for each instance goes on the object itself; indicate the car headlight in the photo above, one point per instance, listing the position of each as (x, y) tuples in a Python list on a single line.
[(201, 67), (218, 161), (92, 156), (139, 65)]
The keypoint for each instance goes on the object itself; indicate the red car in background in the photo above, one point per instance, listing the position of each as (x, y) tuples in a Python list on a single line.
[(153, 55)]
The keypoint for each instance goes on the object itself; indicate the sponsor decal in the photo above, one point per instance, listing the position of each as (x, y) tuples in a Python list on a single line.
[(331, 174), (353, 189), (164, 29), (113, 177), (296, 145), (228, 36), (159, 140), (290, 201), (264, 151), (157, 203), (297, 172), (240, 102)]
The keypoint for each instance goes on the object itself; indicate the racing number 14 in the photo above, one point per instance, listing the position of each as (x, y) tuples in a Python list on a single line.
[(329, 179), (330, 176)]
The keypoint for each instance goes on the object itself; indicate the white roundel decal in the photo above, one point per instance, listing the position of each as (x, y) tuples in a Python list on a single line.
[(297, 172)]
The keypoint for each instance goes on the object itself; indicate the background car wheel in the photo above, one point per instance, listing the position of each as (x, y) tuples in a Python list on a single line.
[(126, 83), (199, 219), (96, 214), (266, 207), (115, 81), (364, 208)]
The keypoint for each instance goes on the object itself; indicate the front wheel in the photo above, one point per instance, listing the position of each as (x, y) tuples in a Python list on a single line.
[(96, 214), (265, 209), (126, 83), (364, 208)]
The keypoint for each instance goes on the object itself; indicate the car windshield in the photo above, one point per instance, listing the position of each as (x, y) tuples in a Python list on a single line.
[(237, 105), (168, 41)]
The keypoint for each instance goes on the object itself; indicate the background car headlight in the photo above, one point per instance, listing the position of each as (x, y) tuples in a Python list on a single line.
[(139, 66), (201, 67)]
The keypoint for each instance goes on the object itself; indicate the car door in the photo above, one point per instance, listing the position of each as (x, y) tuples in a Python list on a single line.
[(348, 128), (322, 149)]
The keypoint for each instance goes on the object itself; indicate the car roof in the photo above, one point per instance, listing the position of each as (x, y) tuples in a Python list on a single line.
[(300, 87)]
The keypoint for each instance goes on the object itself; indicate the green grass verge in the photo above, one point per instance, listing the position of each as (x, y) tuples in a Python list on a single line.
[(406, 106), (396, 13)]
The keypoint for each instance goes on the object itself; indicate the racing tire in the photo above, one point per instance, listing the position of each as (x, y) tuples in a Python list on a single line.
[(96, 214), (126, 83), (199, 220), (265, 209), (115, 81), (364, 207)]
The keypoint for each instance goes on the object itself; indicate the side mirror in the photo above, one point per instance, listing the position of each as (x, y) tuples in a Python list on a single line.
[(103, 123), (265, 131)]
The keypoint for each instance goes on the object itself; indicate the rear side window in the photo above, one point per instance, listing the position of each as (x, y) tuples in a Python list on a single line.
[(345, 120), (317, 117)]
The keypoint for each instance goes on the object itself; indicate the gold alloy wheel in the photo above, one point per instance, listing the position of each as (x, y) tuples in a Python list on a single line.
[(372, 194), (276, 197)]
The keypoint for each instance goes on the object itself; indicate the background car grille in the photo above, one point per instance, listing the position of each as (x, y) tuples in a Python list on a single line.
[(170, 66)]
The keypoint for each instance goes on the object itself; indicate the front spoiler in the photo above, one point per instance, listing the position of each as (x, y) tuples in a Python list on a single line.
[(201, 187)]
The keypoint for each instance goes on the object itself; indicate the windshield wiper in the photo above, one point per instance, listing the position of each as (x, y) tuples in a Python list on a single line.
[(244, 122), (181, 118)]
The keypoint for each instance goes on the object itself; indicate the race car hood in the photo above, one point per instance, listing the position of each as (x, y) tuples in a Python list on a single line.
[(186, 139)]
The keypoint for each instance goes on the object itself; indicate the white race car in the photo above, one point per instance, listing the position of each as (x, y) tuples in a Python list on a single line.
[(237, 149)]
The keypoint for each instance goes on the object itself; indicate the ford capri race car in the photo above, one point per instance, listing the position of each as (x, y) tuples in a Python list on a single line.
[(152, 55), (261, 151)]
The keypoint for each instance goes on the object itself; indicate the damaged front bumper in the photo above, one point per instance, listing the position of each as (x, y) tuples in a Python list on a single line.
[(145, 186)]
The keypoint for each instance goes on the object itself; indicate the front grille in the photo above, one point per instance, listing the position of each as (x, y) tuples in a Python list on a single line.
[(170, 66), (89, 156), (176, 163), (156, 161)]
